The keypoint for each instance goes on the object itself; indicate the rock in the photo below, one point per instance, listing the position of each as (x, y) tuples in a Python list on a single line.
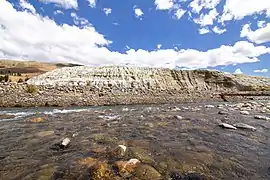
[(118, 152), (151, 125), (209, 106), (45, 133), (262, 117), (228, 126), (146, 172), (89, 161), (125, 109), (65, 143), (178, 117), (126, 168), (244, 112), (101, 171), (142, 154), (177, 176), (46, 173), (223, 112), (37, 120), (244, 126), (193, 176), (7, 116)]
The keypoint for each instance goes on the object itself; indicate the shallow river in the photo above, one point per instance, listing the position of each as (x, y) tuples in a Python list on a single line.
[(154, 134)]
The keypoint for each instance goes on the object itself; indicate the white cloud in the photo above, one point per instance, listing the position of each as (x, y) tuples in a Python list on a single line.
[(261, 71), (66, 4), (258, 36), (138, 12), (81, 22), (92, 3), (238, 9), (164, 4), (207, 19), (25, 5), (107, 11), (50, 42), (204, 31), (198, 5), (58, 12), (261, 24), (218, 30), (238, 71), (159, 46), (179, 13)]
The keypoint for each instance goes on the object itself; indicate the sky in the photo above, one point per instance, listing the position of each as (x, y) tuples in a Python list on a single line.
[(228, 35)]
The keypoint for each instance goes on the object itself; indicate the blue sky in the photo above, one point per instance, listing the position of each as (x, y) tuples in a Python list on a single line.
[(227, 35)]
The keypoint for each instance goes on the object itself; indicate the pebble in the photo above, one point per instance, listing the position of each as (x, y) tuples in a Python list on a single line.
[(244, 126), (223, 112), (262, 117), (65, 142), (178, 117), (244, 112), (228, 126), (209, 106)]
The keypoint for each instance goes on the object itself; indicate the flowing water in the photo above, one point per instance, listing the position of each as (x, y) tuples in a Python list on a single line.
[(194, 143)]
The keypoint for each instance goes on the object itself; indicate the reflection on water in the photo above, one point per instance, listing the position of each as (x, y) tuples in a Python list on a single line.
[(153, 134)]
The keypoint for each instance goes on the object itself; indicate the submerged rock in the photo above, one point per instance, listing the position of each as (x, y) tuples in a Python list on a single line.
[(223, 112), (7, 116), (228, 126), (45, 133), (126, 168), (146, 172), (244, 126), (142, 154), (37, 120), (89, 161), (118, 152), (101, 170)]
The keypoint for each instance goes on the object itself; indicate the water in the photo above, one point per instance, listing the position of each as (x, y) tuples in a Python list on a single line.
[(193, 144)]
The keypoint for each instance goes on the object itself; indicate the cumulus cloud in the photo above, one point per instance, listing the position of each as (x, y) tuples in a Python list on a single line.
[(164, 4), (261, 24), (179, 13), (219, 30), (25, 5), (159, 46), (207, 19), (238, 9), (238, 71), (50, 42), (258, 36), (58, 12), (107, 11), (92, 3), (198, 5), (66, 4), (261, 71), (204, 31), (138, 13)]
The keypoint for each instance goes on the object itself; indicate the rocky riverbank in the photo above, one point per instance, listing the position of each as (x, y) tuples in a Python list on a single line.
[(88, 86)]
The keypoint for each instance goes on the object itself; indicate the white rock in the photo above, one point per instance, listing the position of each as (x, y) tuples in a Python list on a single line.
[(262, 117), (209, 106), (228, 126), (244, 112), (125, 109), (244, 126), (65, 142), (179, 117), (133, 161), (123, 147)]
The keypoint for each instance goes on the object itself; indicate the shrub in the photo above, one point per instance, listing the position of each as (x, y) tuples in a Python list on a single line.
[(31, 89), (20, 80)]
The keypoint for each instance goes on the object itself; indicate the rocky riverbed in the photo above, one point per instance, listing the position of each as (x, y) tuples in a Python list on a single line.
[(180, 141)]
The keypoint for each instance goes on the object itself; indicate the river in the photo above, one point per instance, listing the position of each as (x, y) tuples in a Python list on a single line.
[(180, 138)]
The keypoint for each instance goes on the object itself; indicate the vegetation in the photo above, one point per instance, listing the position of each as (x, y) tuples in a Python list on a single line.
[(32, 89), (4, 78)]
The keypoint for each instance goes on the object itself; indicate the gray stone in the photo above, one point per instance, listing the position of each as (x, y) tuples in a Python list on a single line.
[(244, 126)]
